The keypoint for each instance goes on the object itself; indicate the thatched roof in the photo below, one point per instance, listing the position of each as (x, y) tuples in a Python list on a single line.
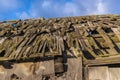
[(87, 36)]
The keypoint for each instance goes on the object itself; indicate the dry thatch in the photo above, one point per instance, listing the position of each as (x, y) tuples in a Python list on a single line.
[(87, 36)]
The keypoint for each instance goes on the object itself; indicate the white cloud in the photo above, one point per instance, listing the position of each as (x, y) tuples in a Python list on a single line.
[(46, 4), (95, 7), (53, 8), (23, 15), (6, 5), (71, 9), (101, 8)]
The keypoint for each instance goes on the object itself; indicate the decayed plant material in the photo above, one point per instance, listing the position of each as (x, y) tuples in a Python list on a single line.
[(88, 36)]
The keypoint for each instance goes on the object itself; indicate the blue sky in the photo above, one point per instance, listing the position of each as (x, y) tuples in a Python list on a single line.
[(24, 9)]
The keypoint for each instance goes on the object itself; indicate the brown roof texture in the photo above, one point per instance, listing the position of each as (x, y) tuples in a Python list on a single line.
[(91, 37)]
